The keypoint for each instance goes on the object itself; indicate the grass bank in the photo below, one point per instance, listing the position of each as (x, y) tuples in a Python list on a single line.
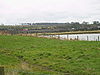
[(50, 56), (74, 32)]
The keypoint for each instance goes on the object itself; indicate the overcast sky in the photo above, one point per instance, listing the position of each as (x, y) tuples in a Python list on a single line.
[(20, 11)]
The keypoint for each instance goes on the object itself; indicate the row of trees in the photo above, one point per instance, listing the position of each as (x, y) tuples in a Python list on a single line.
[(51, 27), (83, 23)]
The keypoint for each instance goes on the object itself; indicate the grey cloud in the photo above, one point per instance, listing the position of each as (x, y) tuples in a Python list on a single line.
[(17, 11)]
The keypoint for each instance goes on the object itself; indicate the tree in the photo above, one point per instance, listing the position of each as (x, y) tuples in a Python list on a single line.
[(75, 23), (96, 22), (85, 23), (2, 24)]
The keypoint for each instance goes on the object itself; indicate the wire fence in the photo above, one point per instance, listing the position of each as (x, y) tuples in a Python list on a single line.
[(85, 37)]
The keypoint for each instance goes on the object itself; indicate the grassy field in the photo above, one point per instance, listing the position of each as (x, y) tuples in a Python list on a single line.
[(42, 56)]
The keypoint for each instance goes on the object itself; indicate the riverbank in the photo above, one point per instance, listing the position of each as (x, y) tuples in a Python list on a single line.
[(73, 32), (55, 33)]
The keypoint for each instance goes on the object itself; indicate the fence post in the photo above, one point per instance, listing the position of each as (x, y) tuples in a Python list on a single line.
[(58, 37), (77, 37), (67, 37), (2, 71), (36, 34), (87, 38), (98, 38)]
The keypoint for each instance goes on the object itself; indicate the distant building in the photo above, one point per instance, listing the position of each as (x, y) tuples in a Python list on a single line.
[(99, 27)]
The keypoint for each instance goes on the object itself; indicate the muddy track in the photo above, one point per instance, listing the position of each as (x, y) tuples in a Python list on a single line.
[(30, 67)]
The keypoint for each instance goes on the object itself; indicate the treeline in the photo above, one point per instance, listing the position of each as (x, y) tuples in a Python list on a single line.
[(49, 27), (83, 23)]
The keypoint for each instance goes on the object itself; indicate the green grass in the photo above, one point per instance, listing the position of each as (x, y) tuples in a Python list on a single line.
[(51, 56)]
